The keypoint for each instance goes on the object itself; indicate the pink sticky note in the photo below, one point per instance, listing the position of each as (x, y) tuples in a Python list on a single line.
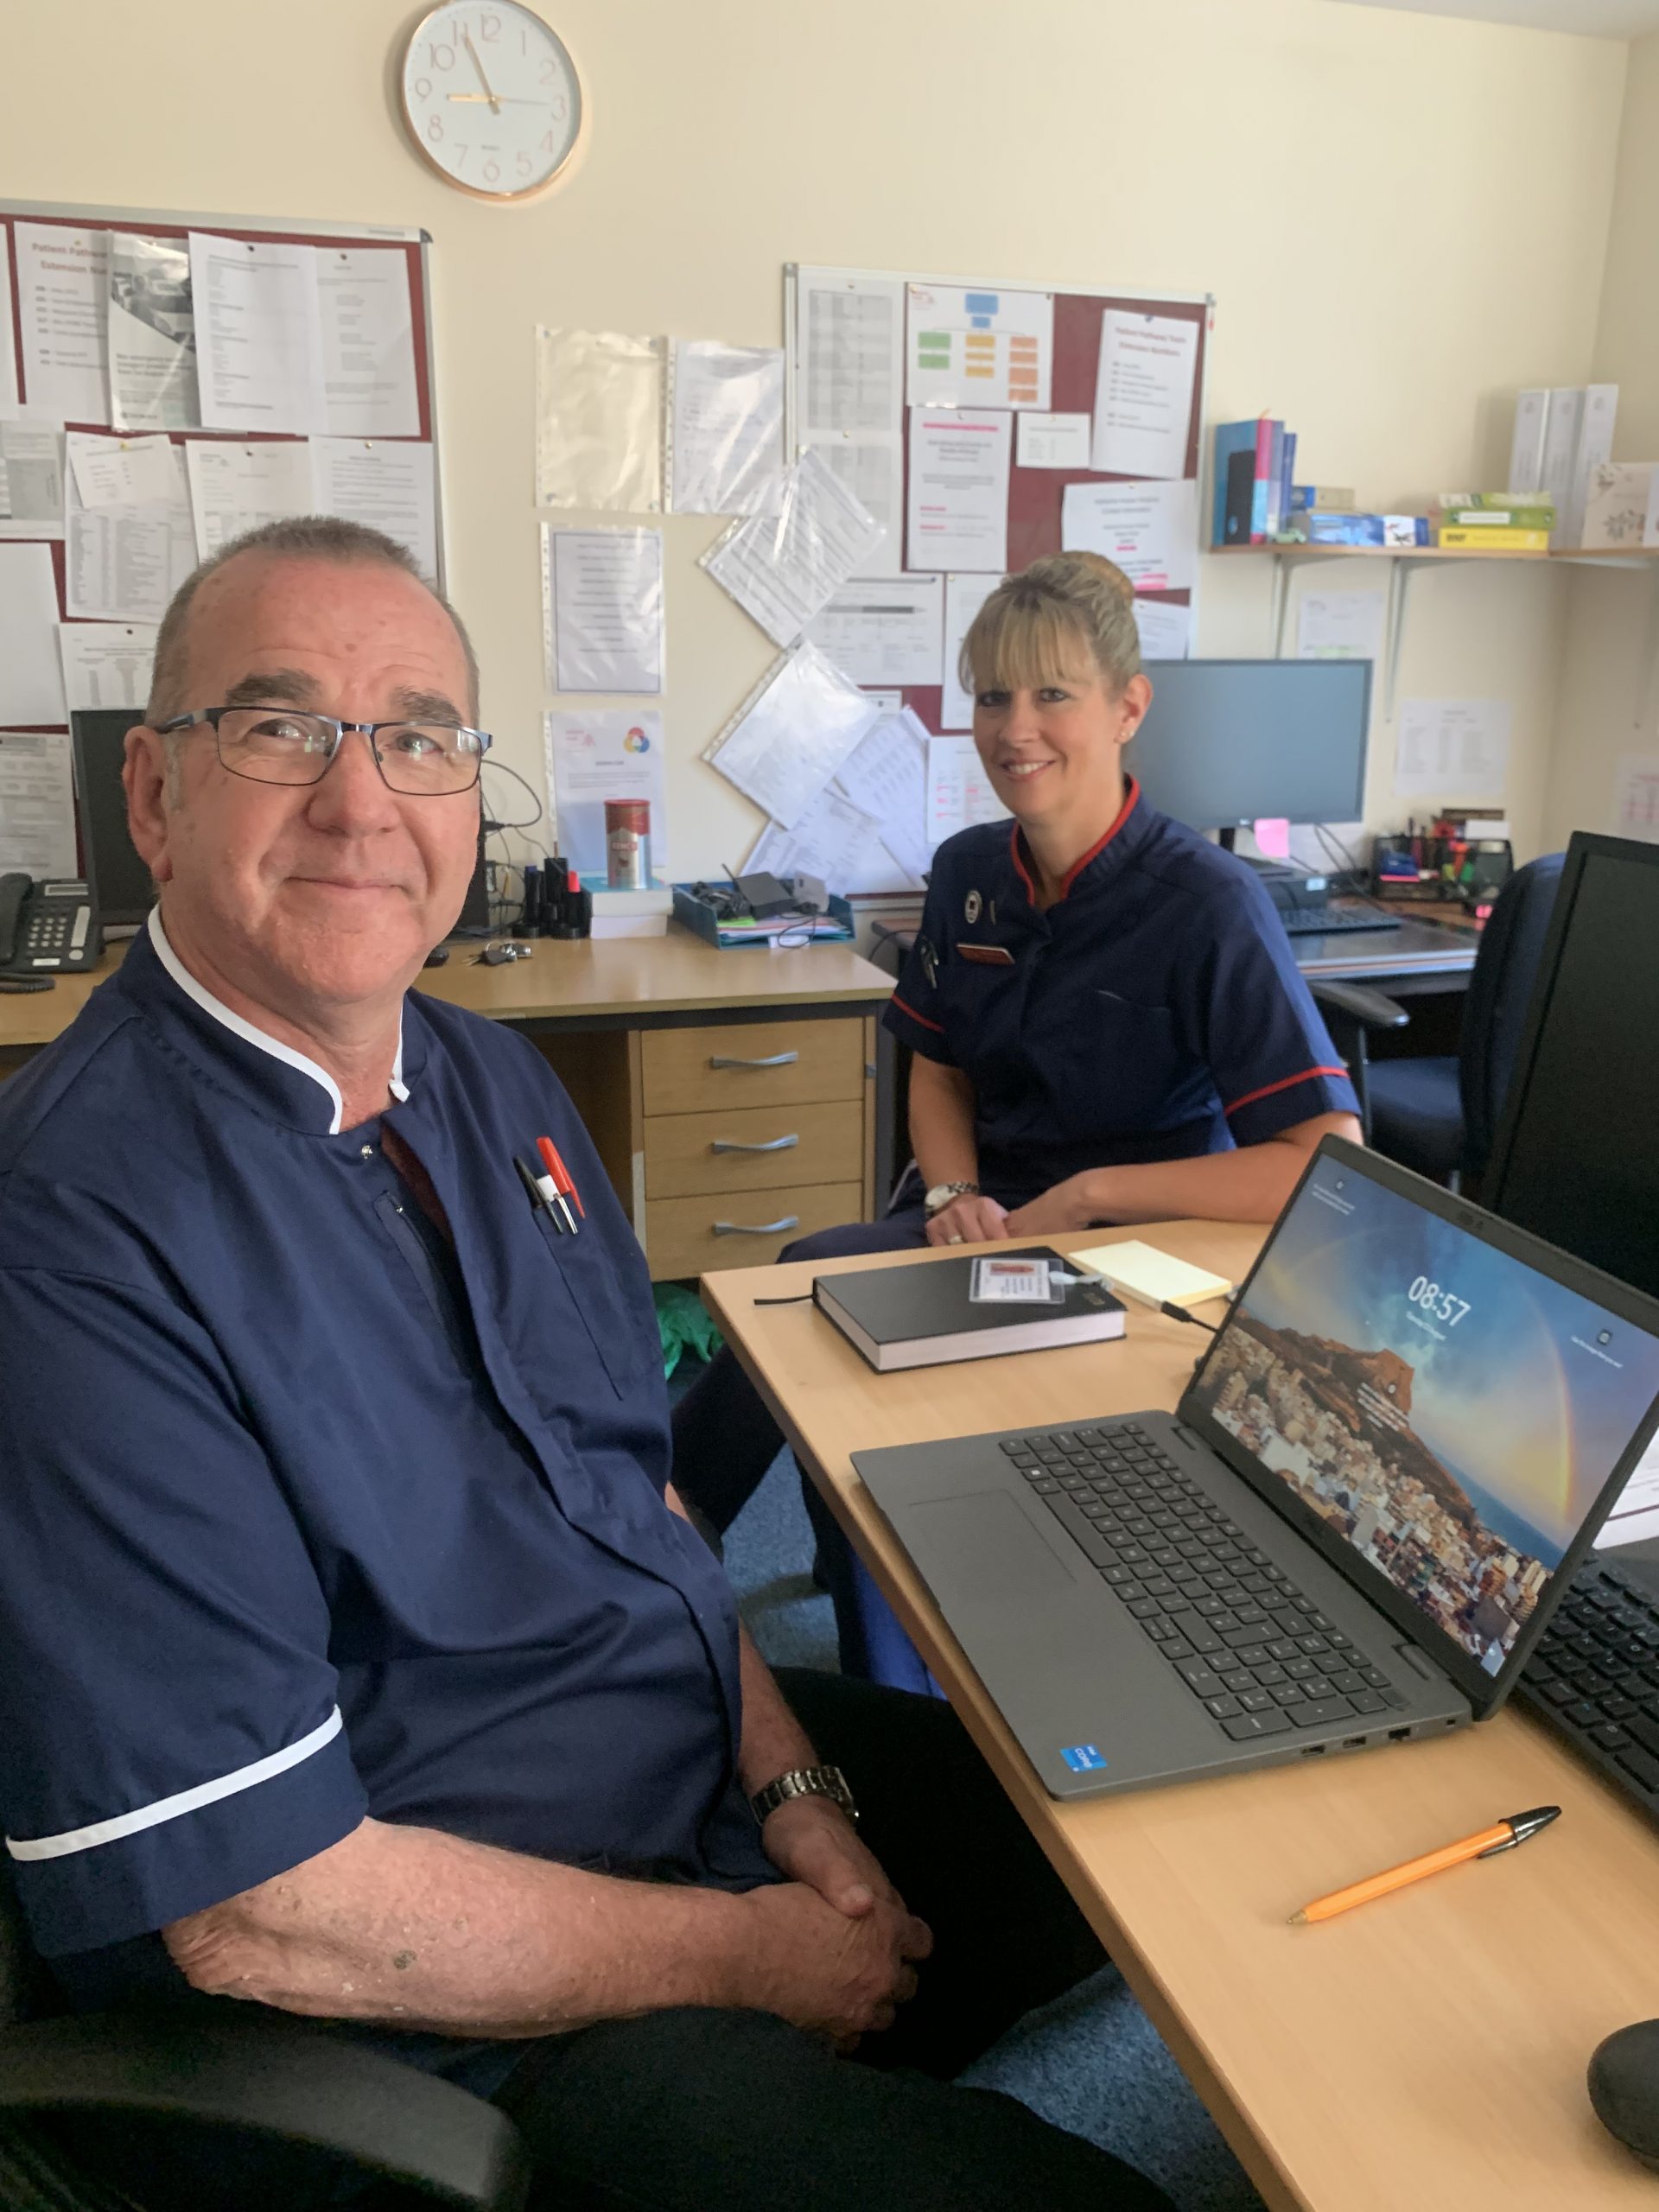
[(1272, 834)]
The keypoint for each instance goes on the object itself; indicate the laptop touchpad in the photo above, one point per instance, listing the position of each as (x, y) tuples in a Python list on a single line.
[(981, 1546)]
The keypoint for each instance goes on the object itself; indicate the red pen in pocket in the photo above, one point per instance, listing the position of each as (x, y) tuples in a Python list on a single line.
[(563, 1182)]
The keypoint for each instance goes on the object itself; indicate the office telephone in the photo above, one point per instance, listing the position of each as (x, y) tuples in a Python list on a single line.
[(47, 926)]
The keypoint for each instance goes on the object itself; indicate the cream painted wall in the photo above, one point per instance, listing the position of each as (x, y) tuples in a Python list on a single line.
[(1390, 255), (1608, 705)]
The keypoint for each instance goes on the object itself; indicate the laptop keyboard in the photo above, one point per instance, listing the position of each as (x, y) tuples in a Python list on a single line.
[(1260, 1658), (1595, 1677)]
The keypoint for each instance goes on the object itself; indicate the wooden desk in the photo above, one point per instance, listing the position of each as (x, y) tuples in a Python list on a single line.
[(731, 1095), (1430, 2049)]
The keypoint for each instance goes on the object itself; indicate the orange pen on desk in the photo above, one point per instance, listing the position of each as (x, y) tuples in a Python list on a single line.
[(1486, 1845)]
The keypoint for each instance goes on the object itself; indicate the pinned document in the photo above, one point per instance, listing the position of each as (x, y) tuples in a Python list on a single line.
[(958, 508), (884, 630), (833, 840), (783, 569), (887, 778), (610, 754), (850, 373), (959, 792), (725, 428), (152, 341), (366, 344), (1052, 440), (1164, 628), (106, 664), (37, 800), (387, 484), (964, 597), (1451, 748), (602, 601), (63, 280), (1340, 625), (240, 488), (259, 334), (31, 680), (1150, 530), (598, 420), (123, 562), (978, 348), (1143, 393), (792, 733), (31, 478)]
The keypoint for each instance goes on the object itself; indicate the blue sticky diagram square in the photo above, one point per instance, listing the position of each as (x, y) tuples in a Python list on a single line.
[(981, 302), (979, 322), (1080, 1757)]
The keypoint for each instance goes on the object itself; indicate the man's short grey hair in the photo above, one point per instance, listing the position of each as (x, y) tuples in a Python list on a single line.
[(310, 537)]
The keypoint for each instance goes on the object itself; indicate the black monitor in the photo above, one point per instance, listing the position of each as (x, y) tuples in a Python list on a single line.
[(121, 892), (1576, 1158), (1228, 742)]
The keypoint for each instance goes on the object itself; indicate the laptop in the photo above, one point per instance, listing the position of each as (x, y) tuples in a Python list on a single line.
[(1389, 1463)]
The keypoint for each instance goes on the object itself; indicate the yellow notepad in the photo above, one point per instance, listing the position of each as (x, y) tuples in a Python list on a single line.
[(1142, 1272)]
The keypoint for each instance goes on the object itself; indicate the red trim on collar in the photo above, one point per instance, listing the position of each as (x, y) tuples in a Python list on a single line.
[(937, 1026), (1284, 1083), (1078, 866), (1014, 854)]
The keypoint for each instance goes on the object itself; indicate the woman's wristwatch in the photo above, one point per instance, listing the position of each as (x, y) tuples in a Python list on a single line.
[(941, 1194)]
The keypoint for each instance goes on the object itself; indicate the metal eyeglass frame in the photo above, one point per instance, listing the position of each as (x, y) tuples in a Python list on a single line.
[(211, 716)]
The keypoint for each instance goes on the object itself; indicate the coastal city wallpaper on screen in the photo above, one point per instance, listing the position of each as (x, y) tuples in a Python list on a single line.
[(1449, 1413)]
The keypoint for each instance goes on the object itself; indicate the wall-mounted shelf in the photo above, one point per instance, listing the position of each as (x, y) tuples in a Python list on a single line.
[(1403, 562)]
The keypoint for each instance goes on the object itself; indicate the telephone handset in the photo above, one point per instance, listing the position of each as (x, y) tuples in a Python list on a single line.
[(47, 928)]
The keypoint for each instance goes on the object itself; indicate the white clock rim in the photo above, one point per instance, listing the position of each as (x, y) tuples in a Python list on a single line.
[(567, 161)]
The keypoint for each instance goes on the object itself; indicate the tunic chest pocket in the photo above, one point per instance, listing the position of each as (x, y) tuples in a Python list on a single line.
[(1126, 1058), (595, 1290)]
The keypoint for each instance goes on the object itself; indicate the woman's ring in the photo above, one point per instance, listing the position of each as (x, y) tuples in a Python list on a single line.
[(953, 1239)]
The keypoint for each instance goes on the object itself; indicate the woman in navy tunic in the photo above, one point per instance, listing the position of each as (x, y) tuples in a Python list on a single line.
[(1106, 1021)]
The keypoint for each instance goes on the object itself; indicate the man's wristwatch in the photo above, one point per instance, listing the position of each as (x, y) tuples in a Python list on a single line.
[(941, 1194), (805, 1782)]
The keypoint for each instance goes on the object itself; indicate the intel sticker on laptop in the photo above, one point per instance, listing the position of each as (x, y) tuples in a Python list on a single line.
[(1081, 1757)]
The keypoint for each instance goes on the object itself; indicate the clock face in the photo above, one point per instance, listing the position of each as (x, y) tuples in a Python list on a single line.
[(491, 97)]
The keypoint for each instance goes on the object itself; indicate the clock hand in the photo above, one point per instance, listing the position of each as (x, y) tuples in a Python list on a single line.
[(467, 38), (497, 100)]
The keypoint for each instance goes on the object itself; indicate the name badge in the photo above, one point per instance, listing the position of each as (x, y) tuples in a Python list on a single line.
[(986, 956)]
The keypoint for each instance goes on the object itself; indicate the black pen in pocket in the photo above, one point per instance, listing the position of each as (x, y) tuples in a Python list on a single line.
[(538, 1198)]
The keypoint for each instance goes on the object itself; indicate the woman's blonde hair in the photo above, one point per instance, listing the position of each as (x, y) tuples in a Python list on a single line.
[(1028, 632)]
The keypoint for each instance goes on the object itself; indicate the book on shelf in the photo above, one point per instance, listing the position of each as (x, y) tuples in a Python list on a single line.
[(1535, 502), (1231, 439), (1270, 460), (1329, 499), (1527, 448), (1562, 419), (1452, 539), (1520, 514), (1594, 446)]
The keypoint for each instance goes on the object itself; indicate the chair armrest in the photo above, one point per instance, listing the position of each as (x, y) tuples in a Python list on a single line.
[(1370, 1008), (270, 2076)]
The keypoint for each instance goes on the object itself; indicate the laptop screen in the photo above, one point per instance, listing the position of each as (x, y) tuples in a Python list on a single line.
[(1451, 1414)]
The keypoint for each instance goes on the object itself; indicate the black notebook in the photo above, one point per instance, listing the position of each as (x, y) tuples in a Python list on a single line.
[(925, 1316)]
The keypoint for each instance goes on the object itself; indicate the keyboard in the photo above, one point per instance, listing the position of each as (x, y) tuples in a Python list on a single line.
[(1261, 1656), (1595, 1678), (1334, 921)]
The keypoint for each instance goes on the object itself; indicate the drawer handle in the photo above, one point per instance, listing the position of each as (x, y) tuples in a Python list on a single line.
[(731, 1144), (757, 1228), (778, 1060)]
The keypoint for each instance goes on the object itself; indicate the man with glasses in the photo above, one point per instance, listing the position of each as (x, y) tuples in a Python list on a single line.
[(355, 1658)]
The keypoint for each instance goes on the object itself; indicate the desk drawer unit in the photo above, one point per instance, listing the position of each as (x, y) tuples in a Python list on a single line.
[(691, 1237), (751, 1148), (750, 1134)]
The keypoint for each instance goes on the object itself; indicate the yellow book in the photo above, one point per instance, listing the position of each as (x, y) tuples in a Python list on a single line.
[(1154, 1278), (1494, 538)]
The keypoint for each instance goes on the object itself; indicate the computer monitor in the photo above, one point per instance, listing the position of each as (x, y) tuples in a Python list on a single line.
[(121, 892), (1576, 1158), (1228, 742)]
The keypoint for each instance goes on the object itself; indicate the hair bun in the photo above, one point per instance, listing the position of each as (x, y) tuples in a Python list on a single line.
[(1107, 572)]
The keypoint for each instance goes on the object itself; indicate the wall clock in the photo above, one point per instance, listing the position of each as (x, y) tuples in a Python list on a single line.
[(490, 97)]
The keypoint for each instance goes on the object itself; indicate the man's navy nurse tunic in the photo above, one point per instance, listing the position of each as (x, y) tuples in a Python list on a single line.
[(1154, 1012), (320, 1498)]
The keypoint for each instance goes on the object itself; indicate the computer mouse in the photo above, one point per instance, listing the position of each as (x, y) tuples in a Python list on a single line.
[(1624, 2088)]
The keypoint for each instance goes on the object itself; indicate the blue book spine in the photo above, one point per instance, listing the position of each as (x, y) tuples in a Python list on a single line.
[(1286, 471), (1231, 438), (1275, 508)]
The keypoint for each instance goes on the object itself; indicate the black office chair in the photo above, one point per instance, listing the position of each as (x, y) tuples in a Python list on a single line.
[(1440, 1116), (241, 2075)]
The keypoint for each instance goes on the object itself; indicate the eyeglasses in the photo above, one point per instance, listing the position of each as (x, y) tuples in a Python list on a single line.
[(274, 745)]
